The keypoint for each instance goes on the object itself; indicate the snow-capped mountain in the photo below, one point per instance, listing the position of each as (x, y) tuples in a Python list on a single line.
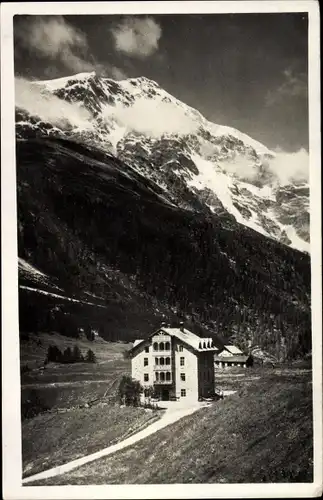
[(172, 145)]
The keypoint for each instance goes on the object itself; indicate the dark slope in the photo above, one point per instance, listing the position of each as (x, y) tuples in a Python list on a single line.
[(91, 222)]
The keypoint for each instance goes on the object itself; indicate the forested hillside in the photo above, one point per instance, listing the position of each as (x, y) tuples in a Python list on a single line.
[(106, 235)]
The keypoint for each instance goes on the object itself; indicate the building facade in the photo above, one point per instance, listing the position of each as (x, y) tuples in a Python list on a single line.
[(230, 356), (177, 363)]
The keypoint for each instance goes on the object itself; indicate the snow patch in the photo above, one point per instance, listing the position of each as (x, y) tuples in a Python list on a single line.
[(59, 83), (296, 242), (55, 295), (23, 264), (210, 178)]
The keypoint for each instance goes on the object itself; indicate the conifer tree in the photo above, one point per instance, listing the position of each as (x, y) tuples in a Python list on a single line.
[(77, 355), (90, 357)]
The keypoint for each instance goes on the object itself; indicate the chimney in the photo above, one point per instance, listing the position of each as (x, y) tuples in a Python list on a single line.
[(181, 326), (163, 324)]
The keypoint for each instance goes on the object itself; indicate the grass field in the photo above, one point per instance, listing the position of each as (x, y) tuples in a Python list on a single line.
[(51, 439), (34, 350), (263, 433), (54, 439), (66, 385)]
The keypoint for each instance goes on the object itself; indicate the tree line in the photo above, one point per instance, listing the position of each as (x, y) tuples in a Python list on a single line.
[(133, 254), (55, 355)]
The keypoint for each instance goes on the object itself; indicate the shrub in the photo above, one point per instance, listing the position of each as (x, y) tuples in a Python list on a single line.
[(33, 405), (129, 391), (54, 354), (149, 392)]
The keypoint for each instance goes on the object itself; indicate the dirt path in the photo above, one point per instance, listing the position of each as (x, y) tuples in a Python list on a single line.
[(171, 415)]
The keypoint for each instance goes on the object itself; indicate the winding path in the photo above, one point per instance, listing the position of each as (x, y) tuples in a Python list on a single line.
[(171, 415)]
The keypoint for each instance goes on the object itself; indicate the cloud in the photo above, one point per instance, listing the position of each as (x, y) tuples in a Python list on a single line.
[(284, 168), (30, 97), (241, 167), (138, 37), (152, 118), (53, 38), (293, 85), (110, 71), (290, 167)]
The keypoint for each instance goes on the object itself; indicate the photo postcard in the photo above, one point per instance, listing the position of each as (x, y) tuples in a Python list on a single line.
[(161, 250)]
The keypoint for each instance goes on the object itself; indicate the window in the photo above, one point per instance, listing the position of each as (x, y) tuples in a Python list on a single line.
[(167, 346), (147, 348), (161, 361), (183, 378), (180, 348), (182, 361), (162, 376), (156, 361), (155, 346), (145, 361), (146, 377), (167, 361), (168, 376), (161, 346), (183, 393), (157, 376)]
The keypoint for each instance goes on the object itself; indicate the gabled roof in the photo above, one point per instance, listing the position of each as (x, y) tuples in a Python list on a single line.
[(233, 349), (185, 335), (137, 342), (199, 344)]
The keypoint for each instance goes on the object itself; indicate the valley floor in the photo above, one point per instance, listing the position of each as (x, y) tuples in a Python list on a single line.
[(172, 413), (73, 427), (260, 433)]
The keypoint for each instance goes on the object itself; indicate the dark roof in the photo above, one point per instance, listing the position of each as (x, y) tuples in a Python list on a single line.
[(232, 359)]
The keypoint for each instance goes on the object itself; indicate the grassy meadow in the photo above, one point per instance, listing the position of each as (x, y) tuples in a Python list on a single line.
[(50, 440), (54, 438), (65, 385), (262, 433)]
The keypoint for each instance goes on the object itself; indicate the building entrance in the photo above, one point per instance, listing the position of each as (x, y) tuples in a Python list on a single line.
[(165, 395)]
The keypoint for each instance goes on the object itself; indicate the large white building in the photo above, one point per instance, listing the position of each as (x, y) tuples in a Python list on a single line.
[(176, 362)]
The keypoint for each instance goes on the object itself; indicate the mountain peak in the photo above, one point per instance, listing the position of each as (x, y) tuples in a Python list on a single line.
[(174, 145), (143, 79), (61, 82)]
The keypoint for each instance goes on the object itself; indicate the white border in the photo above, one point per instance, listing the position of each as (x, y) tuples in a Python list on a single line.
[(12, 468)]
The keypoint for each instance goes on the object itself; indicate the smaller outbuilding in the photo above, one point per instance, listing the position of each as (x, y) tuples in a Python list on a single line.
[(230, 356)]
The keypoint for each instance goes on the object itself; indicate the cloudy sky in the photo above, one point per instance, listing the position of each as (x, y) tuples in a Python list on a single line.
[(248, 71)]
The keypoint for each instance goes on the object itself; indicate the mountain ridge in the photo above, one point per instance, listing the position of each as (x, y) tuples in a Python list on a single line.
[(195, 157), (105, 235)]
